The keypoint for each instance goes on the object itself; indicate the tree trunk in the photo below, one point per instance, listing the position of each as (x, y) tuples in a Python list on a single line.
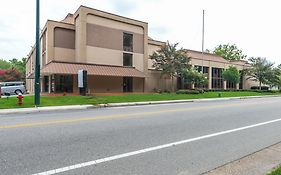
[(260, 86), (172, 84), (182, 83)]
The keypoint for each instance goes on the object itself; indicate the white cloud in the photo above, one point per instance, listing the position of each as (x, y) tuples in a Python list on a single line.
[(253, 25)]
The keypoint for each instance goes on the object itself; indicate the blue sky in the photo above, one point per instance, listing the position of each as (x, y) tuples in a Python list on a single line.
[(254, 26)]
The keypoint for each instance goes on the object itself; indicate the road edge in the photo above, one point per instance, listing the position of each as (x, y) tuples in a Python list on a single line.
[(84, 107)]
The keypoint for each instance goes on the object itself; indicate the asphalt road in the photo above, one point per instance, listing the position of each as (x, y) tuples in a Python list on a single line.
[(180, 139)]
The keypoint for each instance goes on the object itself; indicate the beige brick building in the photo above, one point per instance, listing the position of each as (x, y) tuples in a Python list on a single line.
[(115, 51)]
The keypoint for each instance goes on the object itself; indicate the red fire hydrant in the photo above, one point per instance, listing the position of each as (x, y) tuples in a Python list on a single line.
[(20, 97)]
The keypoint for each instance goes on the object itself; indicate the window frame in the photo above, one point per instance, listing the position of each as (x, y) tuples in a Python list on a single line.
[(129, 47), (130, 57)]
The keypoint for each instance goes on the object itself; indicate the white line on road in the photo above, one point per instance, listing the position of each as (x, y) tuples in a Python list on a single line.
[(133, 153)]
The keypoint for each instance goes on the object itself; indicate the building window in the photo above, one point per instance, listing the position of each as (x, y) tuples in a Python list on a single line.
[(127, 59), (205, 71), (230, 85), (44, 45), (217, 80), (64, 83), (128, 42)]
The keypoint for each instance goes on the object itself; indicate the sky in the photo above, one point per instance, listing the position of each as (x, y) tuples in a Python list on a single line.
[(253, 25)]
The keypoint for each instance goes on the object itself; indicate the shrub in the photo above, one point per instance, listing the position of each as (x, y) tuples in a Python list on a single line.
[(262, 88), (187, 91), (159, 91), (201, 91), (167, 91)]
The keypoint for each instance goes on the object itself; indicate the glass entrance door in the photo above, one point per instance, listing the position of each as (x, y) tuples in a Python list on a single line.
[(127, 84)]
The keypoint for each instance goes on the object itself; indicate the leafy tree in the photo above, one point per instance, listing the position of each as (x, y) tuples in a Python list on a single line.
[(170, 61), (194, 77), (5, 64), (19, 65), (11, 75), (231, 75), (261, 70), (229, 52), (274, 77)]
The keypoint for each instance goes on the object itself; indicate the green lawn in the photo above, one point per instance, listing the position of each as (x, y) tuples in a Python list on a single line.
[(276, 171), (11, 102)]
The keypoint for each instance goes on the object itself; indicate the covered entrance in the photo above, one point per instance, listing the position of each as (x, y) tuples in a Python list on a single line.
[(101, 78)]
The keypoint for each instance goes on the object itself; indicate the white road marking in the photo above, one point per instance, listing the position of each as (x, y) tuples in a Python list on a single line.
[(133, 153)]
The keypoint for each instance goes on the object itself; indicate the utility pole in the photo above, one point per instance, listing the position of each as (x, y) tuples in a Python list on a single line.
[(37, 59), (203, 38)]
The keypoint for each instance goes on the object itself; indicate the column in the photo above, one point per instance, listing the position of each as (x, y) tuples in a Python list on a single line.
[(210, 78), (224, 85), (237, 86), (192, 86), (49, 85)]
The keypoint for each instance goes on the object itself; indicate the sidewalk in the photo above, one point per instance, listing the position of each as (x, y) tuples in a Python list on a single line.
[(83, 107), (259, 163)]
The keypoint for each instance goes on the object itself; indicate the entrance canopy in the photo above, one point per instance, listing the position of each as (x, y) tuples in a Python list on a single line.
[(56, 67)]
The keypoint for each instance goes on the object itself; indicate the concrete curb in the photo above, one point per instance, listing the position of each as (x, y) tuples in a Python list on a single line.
[(44, 109), (180, 101), (81, 107)]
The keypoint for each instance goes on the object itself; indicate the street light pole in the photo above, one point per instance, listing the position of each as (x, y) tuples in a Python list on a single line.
[(37, 59), (203, 39)]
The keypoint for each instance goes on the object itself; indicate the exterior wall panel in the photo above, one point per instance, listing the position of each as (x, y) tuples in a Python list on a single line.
[(64, 38), (101, 84), (110, 38), (63, 54)]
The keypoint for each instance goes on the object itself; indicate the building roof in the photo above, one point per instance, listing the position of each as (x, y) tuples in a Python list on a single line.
[(206, 56), (213, 57), (56, 67)]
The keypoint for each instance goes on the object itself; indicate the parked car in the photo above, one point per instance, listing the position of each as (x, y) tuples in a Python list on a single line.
[(11, 88)]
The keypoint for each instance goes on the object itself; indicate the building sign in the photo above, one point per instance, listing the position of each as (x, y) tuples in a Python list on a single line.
[(81, 78)]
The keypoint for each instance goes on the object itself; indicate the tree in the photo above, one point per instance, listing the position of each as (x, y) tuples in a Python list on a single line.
[(261, 70), (192, 76), (231, 75), (11, 75), (274, 77), (5, 64), (170, 61), (19, 65), (229, 52)]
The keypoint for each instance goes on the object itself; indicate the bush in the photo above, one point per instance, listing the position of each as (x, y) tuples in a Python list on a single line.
[(257, 88), (167, 91), (186, 91), (265, 91), (159, 91), (201, 91)]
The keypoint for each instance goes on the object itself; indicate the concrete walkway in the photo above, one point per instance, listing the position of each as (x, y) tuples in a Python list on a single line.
[(259, 163)]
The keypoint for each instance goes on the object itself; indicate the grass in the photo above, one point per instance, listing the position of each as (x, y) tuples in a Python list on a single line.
[(11, 102), (276, 171)]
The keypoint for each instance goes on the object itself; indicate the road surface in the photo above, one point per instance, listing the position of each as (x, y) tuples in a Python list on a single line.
[(181, 139)]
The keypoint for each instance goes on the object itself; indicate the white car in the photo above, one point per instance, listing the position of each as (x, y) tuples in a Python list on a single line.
[(10, 88)]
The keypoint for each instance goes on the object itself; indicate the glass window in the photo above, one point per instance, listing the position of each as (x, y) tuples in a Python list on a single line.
[(217, 80), (128, 42), (127, 59), (64, 83)]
